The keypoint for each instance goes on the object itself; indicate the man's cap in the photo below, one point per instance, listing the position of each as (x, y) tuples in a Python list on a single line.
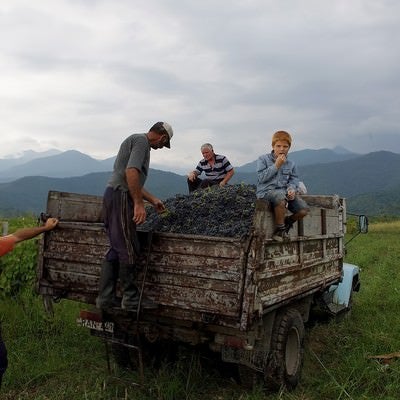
[(163, 127), (168, 129), (281, 135)]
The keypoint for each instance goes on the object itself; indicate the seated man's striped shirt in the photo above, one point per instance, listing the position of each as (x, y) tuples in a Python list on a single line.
[(218, 171)]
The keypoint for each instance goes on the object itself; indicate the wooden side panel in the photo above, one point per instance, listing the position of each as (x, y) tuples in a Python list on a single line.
[(71, 260), (74, 207), (309, 261), (192, 277), (195, 274), (296, 268)]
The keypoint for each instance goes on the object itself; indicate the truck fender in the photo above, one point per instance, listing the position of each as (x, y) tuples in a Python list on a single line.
[(350, 282)]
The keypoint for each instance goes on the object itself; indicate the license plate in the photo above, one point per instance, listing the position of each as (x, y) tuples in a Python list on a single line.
[(93, 321), (97, 326)]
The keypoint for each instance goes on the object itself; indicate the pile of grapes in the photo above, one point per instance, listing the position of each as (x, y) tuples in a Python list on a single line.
[(216, 211)]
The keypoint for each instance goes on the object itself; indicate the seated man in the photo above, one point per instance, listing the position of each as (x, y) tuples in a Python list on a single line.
[(217, 169)]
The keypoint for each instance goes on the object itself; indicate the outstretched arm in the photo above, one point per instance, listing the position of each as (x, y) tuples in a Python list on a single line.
[(29, 233)]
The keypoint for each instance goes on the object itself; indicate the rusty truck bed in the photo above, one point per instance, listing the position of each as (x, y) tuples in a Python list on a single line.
[(225, 282)]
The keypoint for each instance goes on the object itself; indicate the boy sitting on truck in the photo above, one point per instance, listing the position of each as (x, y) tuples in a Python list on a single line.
[(278, 184)]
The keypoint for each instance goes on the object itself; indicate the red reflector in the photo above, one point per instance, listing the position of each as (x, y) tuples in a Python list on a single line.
[(91, 315), (235, 342)]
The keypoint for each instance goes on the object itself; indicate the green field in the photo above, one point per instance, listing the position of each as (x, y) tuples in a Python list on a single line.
[(52, 358)]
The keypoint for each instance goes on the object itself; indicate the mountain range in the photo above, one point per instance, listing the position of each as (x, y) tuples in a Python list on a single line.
[(56, 164), (370, 182)]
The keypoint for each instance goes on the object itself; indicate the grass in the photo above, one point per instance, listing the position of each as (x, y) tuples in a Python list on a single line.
[(52, 358)]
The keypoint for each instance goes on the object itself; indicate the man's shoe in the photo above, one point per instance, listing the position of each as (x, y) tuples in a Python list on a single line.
[(106, 305), (148, 304), (288, 224), (280, 234), (108, 277), (145, 304)]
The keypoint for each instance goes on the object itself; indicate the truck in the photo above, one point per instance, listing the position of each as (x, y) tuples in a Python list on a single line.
[(247, 298)]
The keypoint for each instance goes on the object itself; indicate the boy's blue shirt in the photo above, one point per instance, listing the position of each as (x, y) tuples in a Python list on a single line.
[(271, 178)]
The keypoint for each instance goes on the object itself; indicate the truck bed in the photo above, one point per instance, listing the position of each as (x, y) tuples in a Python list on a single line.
[(220, 281)]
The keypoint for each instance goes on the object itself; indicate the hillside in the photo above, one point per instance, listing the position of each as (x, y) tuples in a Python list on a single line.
[(370, 183), (376, 203), (309, 157), (67, 164), (26, 156), (56, 164), (29, 194), (364, 174)]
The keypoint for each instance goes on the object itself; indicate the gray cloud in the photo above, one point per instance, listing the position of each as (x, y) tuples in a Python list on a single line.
[(84, 74)]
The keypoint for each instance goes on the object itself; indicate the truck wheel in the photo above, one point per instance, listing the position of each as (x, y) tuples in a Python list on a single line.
[(287, 351)]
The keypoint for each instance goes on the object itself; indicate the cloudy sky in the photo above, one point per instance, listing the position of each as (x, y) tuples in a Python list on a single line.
[(84, 74)]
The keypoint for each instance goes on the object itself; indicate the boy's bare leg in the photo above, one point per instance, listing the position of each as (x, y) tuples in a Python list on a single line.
[(279, 212), (299, 215)]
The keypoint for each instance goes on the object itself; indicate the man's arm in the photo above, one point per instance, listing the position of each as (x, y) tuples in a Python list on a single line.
[(135, 191), (156, 202), (227, 177), (29, 233)]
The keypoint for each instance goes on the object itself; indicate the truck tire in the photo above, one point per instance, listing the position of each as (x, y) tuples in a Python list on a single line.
[(287, 351)]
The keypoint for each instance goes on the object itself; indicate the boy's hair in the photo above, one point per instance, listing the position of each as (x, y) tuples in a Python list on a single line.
[(281, 135)]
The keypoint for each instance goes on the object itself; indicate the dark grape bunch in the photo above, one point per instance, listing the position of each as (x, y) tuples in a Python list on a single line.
[(216, 211)]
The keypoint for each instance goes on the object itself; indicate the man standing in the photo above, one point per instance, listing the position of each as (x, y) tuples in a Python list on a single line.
[(123, 208)]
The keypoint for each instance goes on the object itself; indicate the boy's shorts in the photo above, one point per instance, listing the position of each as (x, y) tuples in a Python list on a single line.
[(275, 197)]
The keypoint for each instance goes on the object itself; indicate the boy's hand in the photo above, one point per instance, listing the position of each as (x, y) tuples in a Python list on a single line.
[(280, 160), (291, 194)]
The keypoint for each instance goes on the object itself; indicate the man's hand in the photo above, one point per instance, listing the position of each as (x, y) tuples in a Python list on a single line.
[(159, 206), (50, 223), (192, 176), (139, 213)]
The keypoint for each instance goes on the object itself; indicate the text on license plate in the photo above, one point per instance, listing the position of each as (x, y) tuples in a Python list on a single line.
[(105, 326)]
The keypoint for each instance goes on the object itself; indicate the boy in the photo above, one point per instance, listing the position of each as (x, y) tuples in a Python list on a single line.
[(277, 183)]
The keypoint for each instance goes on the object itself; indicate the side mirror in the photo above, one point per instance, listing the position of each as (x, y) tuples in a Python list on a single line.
[(363, 224)]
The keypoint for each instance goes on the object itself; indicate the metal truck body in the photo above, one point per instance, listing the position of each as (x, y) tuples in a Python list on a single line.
[(246, 298)]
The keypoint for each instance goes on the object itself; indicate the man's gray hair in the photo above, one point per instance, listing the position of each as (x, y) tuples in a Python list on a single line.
[(206, 146)]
